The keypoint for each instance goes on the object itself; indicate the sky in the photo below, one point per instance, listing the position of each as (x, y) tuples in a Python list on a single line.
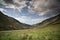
[(30, 11)]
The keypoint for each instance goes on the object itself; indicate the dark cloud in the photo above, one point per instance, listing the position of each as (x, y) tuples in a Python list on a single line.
[(44, 5), (9, 1), (55, 6), (28, 0), (34, 6), (58, 1), (27, 3), (2, 6)]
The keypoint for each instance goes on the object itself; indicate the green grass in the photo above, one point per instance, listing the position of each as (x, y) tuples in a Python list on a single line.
[(50, 32)]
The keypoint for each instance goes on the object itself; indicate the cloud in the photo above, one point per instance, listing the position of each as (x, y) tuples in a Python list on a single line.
[(1, 9), (9, 1), (41, 6), (29, 20), (37, 20), (23, 19), (17, 4)]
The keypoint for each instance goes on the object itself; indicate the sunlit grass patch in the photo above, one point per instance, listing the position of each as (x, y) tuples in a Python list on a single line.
[(51, 32)]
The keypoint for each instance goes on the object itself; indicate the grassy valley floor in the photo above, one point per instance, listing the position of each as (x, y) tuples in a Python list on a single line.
[(50, 32)]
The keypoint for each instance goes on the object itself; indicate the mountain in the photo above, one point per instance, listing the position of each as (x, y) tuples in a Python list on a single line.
[(50, 21), (9, 23)]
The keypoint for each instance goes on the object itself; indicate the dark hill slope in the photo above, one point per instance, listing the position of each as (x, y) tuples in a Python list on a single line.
[(51, 21), (9, 23)]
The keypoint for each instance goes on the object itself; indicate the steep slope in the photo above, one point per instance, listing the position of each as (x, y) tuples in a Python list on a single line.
[(9, 23), (51, 21)]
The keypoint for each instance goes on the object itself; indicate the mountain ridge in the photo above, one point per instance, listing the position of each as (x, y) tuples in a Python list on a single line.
[(50, 21), (9, 23)]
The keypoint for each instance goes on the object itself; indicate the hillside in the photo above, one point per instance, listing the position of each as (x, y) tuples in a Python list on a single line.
[(9, 23), (50, 21), (50, 32)]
